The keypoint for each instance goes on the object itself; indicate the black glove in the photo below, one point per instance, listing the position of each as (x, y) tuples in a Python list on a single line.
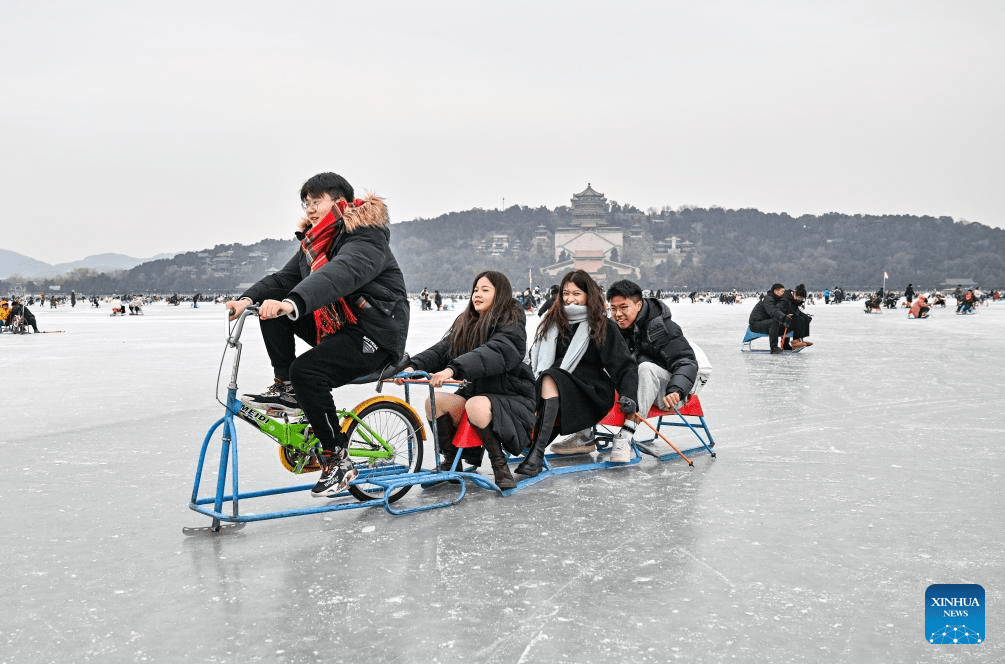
[(627, 405), (788, 319)]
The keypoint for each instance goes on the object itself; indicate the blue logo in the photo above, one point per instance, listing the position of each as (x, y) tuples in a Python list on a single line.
[(954, 613)]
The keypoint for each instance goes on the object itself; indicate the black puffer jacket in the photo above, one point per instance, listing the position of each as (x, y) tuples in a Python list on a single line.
[(495, 370), (770, 307), (360, 268), (587, 393), (656, 338)]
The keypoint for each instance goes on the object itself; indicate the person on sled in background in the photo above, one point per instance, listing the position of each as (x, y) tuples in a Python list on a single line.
[(770, 317), (874, 303), (920, 308), (966, 302), (797, 320), (20, 310), (667, 365), (579, 359), (344, 294), (484, 347)]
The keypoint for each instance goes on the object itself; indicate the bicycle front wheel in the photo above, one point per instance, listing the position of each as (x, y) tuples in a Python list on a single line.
[(399, 427)]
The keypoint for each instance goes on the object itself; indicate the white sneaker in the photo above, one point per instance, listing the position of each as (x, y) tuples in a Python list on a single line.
[(621, 451), (581, 442)]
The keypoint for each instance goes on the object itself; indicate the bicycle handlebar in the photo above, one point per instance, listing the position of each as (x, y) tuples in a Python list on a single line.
[(237, 327), (418, 377)]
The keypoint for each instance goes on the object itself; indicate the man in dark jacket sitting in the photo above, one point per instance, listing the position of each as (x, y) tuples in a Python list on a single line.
[(770, 317), (667, 363), (342, 293)]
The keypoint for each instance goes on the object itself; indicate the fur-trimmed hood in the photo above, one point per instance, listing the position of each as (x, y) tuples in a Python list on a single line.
[(369, 211)]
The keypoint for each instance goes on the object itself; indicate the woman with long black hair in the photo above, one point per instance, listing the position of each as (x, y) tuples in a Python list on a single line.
[(485, 347), (579, 359)]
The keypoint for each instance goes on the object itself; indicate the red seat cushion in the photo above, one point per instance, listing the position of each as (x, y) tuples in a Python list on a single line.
[(466, 435), (692, 407), (615, 418)]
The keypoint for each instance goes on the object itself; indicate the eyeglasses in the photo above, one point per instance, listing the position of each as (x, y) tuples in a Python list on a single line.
[(624, 308), (307, 204)]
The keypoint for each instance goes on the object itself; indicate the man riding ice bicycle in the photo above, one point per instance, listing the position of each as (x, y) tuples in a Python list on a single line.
[(344, 294)]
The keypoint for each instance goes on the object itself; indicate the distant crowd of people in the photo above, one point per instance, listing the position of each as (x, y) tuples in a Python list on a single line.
[(920, 305)]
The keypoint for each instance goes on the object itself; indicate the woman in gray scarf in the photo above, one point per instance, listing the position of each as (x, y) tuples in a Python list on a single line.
[(579, 360)]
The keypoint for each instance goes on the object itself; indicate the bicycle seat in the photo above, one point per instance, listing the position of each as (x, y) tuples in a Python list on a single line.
[(388, 371)]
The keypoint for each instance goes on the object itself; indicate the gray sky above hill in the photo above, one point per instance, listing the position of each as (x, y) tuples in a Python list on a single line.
[(141, 127)]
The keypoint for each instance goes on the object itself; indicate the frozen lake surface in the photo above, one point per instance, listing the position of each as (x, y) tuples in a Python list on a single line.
[(849, 478)]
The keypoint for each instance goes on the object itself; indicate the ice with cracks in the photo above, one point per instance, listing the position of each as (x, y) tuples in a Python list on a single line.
[(849, 478)]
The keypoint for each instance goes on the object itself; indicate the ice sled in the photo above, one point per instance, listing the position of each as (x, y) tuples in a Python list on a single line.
[(690, 416), (386, 439), (749, 337)]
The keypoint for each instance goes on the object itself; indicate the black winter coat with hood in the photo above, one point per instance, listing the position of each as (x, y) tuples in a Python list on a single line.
[(360, 268), (495, 370), (587, 393), (655, 338), (770, 307)]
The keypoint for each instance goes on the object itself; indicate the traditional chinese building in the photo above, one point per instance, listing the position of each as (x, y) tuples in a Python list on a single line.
[(589, 244)]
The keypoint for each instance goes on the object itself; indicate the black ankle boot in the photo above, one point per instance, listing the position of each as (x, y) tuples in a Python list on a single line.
[(546, 416), (497, 457), (472, 456), (445, 430)]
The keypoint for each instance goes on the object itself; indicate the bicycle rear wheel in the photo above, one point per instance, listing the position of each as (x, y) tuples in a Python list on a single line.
[(401, 429)]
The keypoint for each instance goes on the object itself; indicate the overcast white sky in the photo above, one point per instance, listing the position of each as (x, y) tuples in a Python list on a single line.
[(146, 127)]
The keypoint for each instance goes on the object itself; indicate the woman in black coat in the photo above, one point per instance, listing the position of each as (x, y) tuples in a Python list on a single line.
[(579, 358), (484, 347)]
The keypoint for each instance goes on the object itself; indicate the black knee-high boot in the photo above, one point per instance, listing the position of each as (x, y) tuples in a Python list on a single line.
[(497, 457), (445, 430), (546, 417)]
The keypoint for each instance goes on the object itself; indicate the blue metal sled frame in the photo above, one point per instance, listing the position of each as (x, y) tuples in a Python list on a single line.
[(224, 504), (215, 505), (749, 336)]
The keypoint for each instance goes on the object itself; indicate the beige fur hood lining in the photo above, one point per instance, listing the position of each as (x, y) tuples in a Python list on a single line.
[(372, 212)]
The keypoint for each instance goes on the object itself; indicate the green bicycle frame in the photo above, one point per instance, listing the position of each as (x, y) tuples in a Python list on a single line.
[(292, 434)]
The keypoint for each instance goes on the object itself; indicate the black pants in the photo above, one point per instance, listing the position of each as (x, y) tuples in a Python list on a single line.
[(339, 359), (768, 326), (800, 325), (29, 320)]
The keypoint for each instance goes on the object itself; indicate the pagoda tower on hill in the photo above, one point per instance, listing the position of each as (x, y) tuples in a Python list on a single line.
[(589, 243)]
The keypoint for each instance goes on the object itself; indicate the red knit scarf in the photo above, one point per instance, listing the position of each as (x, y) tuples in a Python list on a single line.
[(317, 241)]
